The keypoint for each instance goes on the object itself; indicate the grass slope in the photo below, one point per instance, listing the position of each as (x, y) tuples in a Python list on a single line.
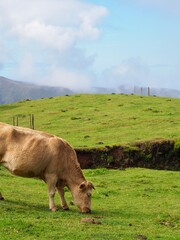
[(100, 120), (131, 204)]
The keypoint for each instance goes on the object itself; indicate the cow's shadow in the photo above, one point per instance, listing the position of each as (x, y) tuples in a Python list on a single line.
[(20, 205), (10, 205)]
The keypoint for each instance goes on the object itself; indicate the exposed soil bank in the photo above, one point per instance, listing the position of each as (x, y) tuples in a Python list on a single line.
[(158, 154)]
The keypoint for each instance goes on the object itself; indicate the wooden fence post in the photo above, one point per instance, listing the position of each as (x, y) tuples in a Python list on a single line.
[(16, 120), (32, 121), (141, 91), (13, 121)]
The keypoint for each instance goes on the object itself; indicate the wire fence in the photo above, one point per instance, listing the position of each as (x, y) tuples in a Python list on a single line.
[(27, 119), (142, 91)]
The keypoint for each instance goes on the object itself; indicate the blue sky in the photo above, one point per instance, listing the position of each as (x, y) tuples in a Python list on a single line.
[(81, 44)]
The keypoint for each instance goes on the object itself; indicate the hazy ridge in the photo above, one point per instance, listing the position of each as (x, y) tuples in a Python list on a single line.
[(14, 91)]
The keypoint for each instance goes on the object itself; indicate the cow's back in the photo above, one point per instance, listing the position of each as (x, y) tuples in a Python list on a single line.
[(31, 153)]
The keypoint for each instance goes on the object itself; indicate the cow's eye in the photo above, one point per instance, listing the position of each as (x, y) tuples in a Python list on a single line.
[(89, 194)]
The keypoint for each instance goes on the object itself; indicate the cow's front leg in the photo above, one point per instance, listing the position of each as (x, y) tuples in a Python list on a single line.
[(1, 197), (63, 201), (51, 183)]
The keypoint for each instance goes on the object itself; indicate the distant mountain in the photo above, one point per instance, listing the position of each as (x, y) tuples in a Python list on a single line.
[(165, 92), (13, 91)]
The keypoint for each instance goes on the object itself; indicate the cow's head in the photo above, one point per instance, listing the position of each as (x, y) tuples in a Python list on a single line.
[(82, 196)]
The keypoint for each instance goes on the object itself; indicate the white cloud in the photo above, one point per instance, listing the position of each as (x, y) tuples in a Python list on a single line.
[(50, 28), (27, 67), (54, 23), (70, 79), (130, 72), (134, 72), (4, 53), (48, 35)]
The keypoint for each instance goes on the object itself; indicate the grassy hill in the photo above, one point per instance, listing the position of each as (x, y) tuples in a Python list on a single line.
[(100, 120), (131, 204)]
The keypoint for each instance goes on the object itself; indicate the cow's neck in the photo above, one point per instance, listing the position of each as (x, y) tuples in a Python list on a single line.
[(75, 177)]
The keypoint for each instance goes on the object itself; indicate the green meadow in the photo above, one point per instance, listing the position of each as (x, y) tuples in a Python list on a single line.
[(130, 204), (100, 120), (127, 204)]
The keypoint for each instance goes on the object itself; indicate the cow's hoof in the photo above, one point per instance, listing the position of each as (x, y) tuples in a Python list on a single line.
[(54, 209), (66, 208)]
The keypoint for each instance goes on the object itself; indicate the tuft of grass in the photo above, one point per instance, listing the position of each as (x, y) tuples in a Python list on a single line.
[(130, 204), (107, 119)]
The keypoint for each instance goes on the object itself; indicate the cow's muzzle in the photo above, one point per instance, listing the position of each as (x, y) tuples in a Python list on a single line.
[(86, 210)]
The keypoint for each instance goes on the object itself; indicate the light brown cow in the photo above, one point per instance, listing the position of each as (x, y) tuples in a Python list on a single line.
[(29, 153)]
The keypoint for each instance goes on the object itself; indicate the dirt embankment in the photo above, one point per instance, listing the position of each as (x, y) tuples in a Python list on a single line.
[(159, 154)]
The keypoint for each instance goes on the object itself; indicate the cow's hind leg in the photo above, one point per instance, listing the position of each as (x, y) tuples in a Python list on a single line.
[(51, 181), (1, 197), (63, 201)]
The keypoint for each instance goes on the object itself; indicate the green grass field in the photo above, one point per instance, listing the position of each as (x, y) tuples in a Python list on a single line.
[(130, 204), (100, 120)]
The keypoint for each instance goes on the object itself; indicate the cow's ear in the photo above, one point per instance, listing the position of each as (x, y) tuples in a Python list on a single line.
[(91, 185), (82, 185)]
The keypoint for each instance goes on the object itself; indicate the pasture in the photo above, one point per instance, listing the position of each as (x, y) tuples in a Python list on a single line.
[(130, 204), (100, 120), (127, 204)]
